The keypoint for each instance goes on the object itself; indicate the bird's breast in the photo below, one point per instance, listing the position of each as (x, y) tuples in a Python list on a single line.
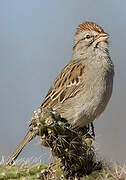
[(96, 90)]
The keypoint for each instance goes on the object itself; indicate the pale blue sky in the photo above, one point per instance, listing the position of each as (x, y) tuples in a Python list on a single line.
[(36, 40)]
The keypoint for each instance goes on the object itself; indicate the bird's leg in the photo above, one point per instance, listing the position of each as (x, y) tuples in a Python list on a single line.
[(90, 136), (92, 130)]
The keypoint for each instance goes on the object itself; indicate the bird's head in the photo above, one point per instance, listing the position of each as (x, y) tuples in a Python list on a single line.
[(90, 37)]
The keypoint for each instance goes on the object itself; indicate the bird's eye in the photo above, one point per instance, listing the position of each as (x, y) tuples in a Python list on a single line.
[(88, 36)]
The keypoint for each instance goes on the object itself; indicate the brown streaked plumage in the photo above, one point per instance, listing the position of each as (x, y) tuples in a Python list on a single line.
[(61, 90), (89, 26)]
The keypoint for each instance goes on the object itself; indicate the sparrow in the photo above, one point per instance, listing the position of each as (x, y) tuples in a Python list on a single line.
[(82, 90)]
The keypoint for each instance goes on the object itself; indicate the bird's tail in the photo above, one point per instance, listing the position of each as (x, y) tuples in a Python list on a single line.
[(29, 136)]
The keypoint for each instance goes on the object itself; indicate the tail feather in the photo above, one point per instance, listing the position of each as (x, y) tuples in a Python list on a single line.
[(29, 136)]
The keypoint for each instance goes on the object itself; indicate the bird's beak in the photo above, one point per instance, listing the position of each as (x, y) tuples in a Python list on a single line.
[(102, 37)]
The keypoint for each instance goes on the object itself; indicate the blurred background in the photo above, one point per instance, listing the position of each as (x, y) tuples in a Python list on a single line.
[(36, 39)]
